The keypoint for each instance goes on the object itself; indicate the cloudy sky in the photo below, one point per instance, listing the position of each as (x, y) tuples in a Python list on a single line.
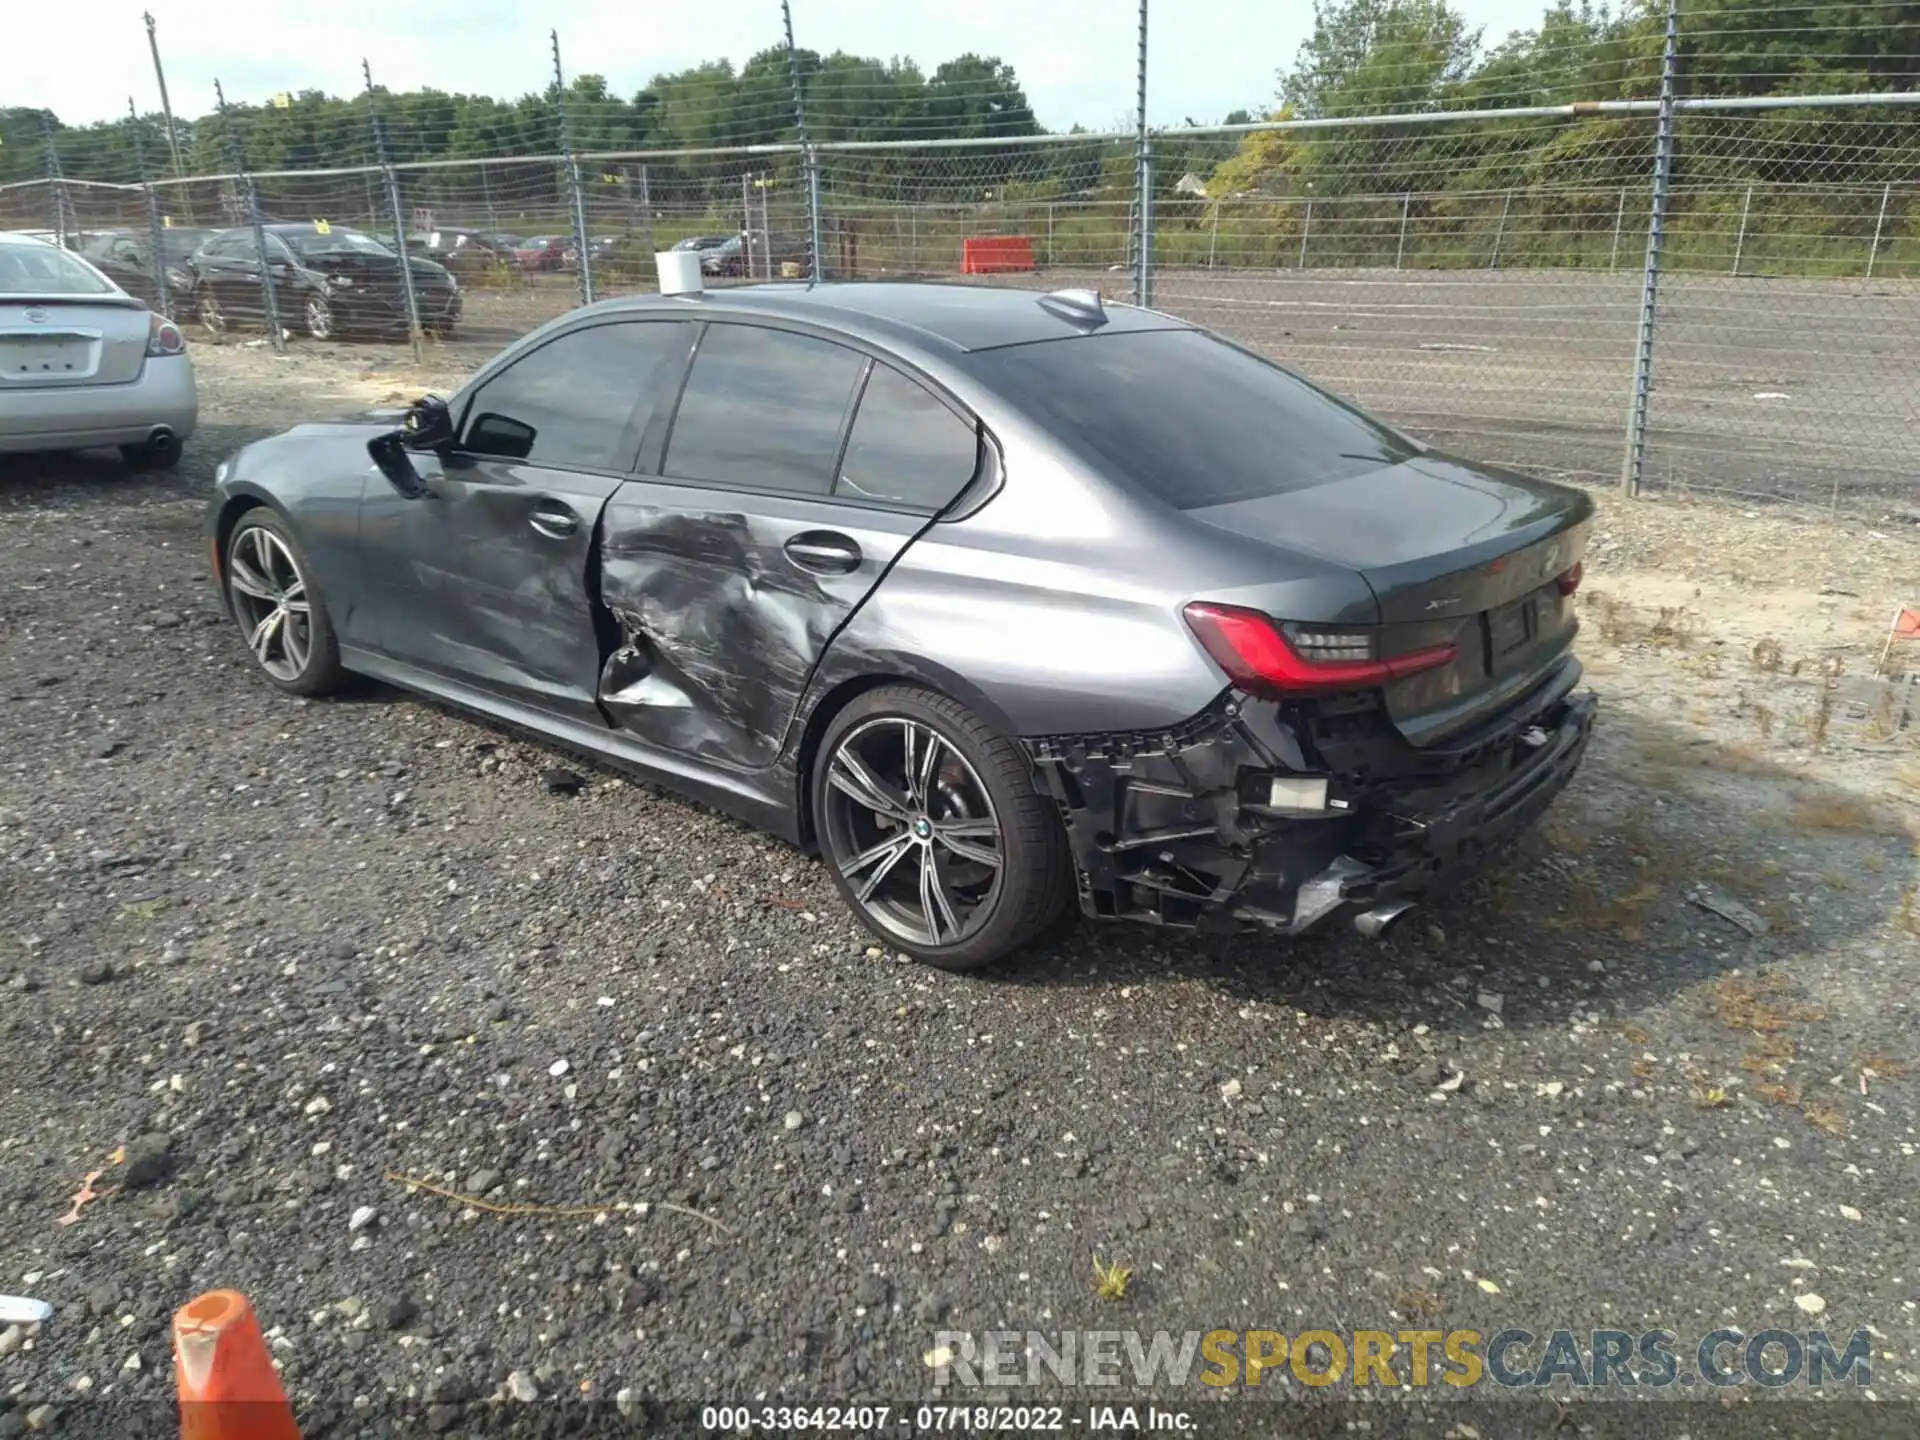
[(1075, 57)]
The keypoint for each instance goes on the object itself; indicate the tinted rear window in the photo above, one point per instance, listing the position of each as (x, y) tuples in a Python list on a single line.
[(1188, 419), (27, 268)]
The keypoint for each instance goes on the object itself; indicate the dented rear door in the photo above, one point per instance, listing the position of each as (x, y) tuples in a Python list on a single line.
[(795, 472), (722, 609)]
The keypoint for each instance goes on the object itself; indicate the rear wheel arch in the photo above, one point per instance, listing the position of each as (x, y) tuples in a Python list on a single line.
[(844, 691)]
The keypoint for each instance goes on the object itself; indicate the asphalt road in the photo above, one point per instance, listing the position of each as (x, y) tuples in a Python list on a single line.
[(1806, 390)]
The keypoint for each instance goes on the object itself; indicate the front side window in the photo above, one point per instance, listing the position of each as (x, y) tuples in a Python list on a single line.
[(581, 401), (763, 409), (906, 447)]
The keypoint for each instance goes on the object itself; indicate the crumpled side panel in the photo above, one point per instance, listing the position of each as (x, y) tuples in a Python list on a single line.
[(717, 632)]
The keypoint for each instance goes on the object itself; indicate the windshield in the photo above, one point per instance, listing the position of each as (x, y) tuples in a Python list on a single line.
[(1188, 418), (29, 269), (312, 244)]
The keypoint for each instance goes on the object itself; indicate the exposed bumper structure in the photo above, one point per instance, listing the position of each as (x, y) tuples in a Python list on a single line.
[(1222, 826)]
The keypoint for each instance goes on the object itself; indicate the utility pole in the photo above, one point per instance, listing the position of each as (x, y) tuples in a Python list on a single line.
[(166, 105)]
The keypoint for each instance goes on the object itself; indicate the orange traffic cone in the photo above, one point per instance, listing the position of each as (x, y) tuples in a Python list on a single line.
[(228, 1387)]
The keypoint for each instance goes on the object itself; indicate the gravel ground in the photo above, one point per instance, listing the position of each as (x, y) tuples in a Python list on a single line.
[(259, 957)]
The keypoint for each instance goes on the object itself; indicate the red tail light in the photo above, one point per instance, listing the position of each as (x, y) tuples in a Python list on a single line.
[(1252, 649), (1570, 581), (164, 337)]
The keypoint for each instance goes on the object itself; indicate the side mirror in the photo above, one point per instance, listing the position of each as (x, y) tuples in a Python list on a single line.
[(428, 424)]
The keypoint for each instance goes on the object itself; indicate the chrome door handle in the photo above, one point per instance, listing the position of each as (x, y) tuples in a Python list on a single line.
[(824, 552), (554, 524)]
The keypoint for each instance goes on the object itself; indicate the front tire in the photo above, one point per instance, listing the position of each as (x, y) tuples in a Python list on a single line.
[(280, 611), (319, 315), (213, 319), (932, 829)]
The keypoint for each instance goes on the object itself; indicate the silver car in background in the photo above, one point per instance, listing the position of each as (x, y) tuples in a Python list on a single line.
[(84, 364)]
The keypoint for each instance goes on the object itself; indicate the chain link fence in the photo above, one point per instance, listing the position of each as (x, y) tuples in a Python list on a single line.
[(1481, 278)]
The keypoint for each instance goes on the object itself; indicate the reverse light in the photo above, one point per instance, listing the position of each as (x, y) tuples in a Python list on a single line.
[(164, 337), (1259, 657), (1569, 581)]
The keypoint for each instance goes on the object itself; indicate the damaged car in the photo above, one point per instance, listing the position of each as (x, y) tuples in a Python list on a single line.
[(1004, 603)]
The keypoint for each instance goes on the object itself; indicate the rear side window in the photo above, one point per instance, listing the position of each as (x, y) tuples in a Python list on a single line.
[(763, 409), (30, 268), (581, 401), (1188, 419), (906, 447)]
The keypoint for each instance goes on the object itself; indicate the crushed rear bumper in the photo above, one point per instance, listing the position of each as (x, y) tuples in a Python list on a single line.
[(1179, 829)]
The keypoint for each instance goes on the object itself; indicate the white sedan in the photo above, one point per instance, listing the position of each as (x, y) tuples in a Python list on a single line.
[(84, 364)]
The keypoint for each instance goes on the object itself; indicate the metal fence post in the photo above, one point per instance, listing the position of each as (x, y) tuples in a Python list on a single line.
[(1879, 225), (162, 300), (1500, 231), (269, 292), (56, 183), (577, 200), (1740, 240), (1619, 214), (1306, 229), (1650, 282), (486, 198), (1143, 167), (810, 159), (1213, 235), (1406, 202), (392, 185)]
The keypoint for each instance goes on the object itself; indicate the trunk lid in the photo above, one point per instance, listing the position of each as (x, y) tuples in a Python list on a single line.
[(1454, 553), (61, 341)]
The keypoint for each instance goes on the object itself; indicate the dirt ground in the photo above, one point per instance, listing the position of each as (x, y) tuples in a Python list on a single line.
[(1659, 1070)]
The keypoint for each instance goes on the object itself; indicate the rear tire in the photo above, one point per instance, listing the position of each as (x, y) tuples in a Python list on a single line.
[(931, 827), (212, 318), (148, 457)]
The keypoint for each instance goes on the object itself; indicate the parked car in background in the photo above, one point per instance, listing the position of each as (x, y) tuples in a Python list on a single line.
[(770, 252), (465, 252), (85, 364), (329, 281), (702, 242), (542, 252), (999, 599), (127, 257)]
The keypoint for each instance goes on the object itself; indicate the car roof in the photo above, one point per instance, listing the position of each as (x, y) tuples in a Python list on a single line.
[(925, 315)]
